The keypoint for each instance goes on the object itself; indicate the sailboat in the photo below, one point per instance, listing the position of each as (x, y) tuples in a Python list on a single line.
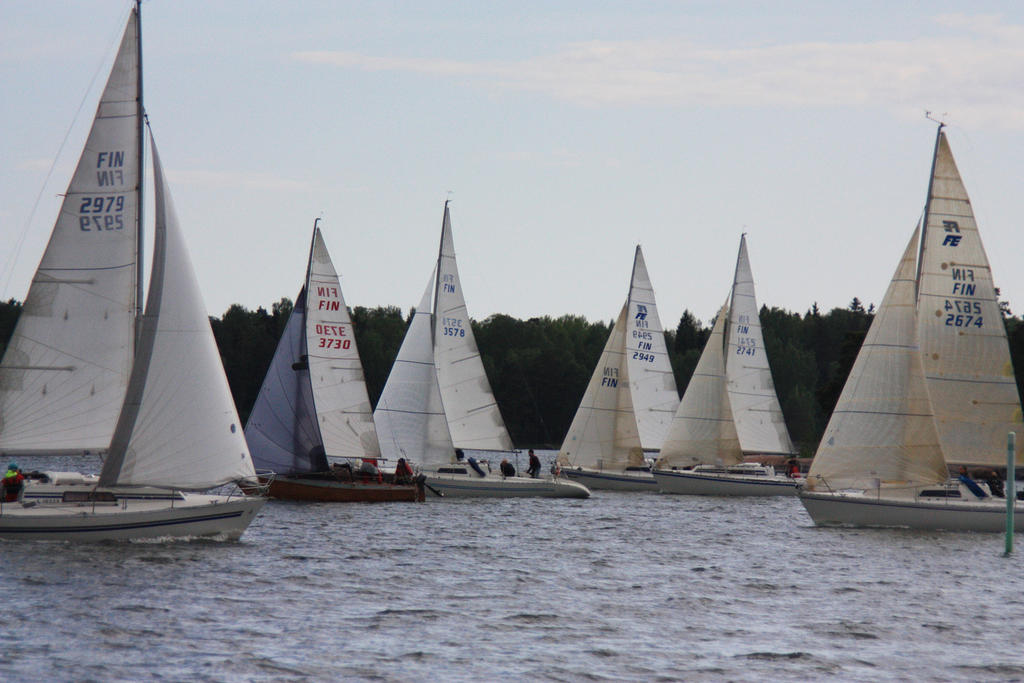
[(629, 402), (729, 410), (313, 406), (87, 372), (437, 402), (932, 386)]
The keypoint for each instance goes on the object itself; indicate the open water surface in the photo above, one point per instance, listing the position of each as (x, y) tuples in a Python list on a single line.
[(639, 587)]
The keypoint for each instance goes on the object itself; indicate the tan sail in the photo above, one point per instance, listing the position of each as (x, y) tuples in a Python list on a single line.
[(703, 431), (882, 430), (964, 349)]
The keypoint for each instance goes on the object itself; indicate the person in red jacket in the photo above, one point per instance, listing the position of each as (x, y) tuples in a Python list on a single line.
[(13, 483), (403, 473)]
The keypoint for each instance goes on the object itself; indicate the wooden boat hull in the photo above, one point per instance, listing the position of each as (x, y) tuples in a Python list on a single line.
[(613, 481), (687, 482), (329, 490), (863, 510), (474, 486), (188, 515)]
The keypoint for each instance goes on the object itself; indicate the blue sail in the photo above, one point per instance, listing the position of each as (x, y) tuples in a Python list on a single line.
[(282, 430)]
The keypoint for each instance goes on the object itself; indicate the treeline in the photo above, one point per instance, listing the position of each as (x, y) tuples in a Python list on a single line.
[(540, 367)]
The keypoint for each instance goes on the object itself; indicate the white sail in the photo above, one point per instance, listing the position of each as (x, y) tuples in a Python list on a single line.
[(703, 431), (755, 406), (963, 341), (64, 374), (335, 371), (410, 417), (655, 397), (603, 434), (882, 430), (178, 427), (473, 416)]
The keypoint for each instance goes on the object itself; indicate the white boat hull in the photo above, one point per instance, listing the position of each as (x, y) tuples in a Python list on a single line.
[(491, 486), (180, 515), (613, 481), (860, 509), (689, 482)]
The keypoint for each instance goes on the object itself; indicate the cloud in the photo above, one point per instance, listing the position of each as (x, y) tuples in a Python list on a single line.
[(973, 67)]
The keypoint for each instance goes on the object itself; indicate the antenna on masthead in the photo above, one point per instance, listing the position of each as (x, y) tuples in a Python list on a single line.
[(928, 115)]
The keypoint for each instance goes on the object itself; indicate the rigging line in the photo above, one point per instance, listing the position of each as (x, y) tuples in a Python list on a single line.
[(12, 258)]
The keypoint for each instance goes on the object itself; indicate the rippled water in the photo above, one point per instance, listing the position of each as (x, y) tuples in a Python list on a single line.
[(618, 587)]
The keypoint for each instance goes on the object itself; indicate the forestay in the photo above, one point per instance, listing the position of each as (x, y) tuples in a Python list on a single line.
[(963, 340), (65, 372), (603, 434), (473, 415), (178, 427), (335, 371), (882, 430), (755, 406), (651, 380), (410, 417), (703, 431)]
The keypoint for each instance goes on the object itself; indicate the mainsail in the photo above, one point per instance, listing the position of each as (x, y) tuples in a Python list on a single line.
[(882, 428), (963, 340), (755, 406), (335, 371), (473, 415), (410, 417), (65, 371), (603, 434), (313, 402), (178, 426), (703, 431), (651, 380)]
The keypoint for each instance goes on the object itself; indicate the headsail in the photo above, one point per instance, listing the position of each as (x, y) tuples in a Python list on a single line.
[(755, 406), (64, 374), (603, 434), (882, 428), (963, 340), (335, 371), (703, 431), (282, 430), (473, 415), (655, 397), (178, 426), (410, 417)]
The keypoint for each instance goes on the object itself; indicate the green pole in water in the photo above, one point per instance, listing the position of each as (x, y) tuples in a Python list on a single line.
[(1011, 488)]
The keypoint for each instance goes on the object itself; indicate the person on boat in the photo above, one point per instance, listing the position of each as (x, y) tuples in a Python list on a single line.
[(971, 485), (507, 468), (793, 468), (403, 473), (534, 469), (459, 455), (13, 483), (995, 484)]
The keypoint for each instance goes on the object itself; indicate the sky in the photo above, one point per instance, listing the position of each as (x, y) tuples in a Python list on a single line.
[(564, 134)]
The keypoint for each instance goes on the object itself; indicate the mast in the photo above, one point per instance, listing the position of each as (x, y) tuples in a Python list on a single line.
[(927, 205), (141, 116), (437, 272), (632, 278), (736, 271), (303, 359), (309, 261), (732, 299)]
